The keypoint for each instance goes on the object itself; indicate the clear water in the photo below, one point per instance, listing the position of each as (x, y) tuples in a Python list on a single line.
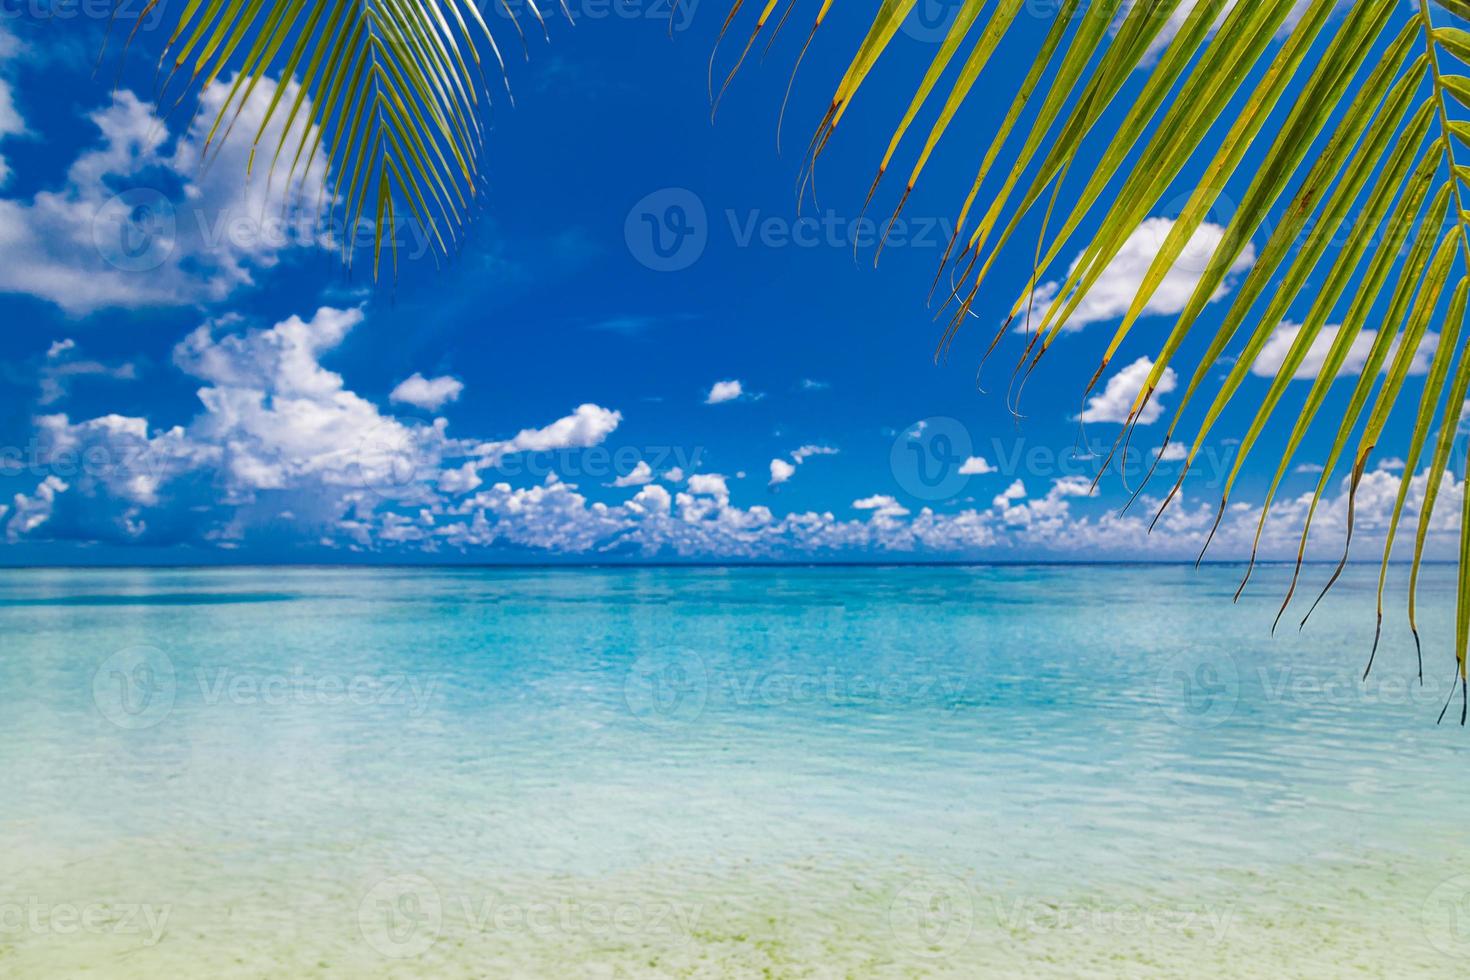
[(724, 772)]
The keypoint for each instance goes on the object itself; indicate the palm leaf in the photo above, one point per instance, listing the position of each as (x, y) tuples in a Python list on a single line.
[(387, 102), (1358, 116)]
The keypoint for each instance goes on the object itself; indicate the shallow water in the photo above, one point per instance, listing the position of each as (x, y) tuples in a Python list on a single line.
[(1060, 771)]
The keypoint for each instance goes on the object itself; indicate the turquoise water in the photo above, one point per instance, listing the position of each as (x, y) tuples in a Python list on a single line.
[(724, 772)]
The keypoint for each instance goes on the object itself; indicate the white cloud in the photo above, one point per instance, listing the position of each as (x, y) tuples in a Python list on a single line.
[(11, 123), (587, 426), (723, 391), (1273, 355), (1113, 293), (1016, 491), (31, 511), (709, 483), (976, 466), (62, 366), (430, 393), (805, 453), (641, 474), (881, 505), (781, 471), (275, 424), (139, 222), (1174, 452), (1116, 398), (281, 444)]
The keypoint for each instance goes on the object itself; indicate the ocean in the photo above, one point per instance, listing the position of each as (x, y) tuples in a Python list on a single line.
[(709, 772)]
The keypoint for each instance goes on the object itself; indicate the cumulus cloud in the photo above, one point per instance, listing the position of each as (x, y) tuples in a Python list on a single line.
[(139, 222), (1113, 293), (1276, 350), (587, 426), (276, 431), (976, 466), (1116, 398), (724, 391), (881, 505), (30, 511), (282, 444), (781, 470), (430, 393), (640, 475)]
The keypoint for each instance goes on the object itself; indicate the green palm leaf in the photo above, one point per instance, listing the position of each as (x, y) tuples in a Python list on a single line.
[(1357, 112), (387, 102)]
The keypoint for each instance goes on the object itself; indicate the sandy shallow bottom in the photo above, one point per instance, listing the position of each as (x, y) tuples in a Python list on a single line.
[(712, 773), (806, 919)]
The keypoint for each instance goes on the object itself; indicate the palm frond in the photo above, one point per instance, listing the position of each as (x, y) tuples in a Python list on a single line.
[(1355, 113), (382, 96)]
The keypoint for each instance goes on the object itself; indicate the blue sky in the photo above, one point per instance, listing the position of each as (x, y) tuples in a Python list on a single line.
[(565, 387)]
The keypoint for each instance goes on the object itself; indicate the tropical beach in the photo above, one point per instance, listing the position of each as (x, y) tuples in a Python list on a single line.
[(933, 488)]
